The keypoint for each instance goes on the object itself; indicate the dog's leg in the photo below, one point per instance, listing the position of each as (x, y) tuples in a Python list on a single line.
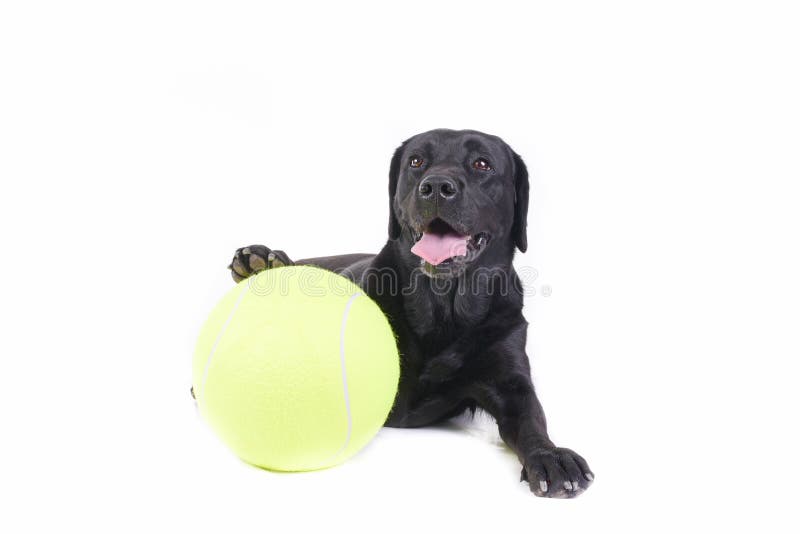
[(507, 394), (250, 260)]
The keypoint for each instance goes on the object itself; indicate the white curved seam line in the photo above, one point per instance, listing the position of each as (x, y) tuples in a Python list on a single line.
[(344, 375), (245, 287)]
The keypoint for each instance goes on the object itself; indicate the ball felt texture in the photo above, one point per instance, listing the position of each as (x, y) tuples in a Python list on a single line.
[(296, 369)]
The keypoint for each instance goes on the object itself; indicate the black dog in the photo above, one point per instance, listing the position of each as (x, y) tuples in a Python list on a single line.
[(458, 202)]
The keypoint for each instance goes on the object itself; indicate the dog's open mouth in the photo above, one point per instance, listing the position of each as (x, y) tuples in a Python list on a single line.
[(440, 244)]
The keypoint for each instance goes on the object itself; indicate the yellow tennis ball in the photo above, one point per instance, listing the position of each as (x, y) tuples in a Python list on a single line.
[(296, 369)]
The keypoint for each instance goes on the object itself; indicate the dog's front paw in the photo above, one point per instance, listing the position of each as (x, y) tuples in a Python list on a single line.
[(250, 260), (556, 472)]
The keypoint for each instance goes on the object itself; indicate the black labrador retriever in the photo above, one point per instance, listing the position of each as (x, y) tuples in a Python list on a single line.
[(458, 203)]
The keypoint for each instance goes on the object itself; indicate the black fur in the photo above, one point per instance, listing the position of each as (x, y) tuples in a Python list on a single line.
[(460, 329)]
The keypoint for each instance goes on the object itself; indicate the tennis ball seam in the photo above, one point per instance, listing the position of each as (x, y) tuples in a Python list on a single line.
[(345, 390), (202, 392)]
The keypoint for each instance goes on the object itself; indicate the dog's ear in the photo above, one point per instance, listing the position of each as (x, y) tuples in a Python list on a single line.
[(394, 173), (521, 192)]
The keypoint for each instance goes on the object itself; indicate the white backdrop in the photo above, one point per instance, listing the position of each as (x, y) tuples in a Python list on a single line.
[(141, 143)]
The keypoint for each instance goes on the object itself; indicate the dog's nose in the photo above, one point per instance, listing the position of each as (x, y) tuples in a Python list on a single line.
[(443, 186)]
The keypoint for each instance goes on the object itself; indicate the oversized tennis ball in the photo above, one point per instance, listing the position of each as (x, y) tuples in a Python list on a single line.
[(296, 369)]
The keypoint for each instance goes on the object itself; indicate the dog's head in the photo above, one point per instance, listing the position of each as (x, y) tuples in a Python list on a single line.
[(457, 199)]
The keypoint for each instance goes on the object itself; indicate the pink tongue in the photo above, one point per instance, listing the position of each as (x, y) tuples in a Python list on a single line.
[(435, 248)]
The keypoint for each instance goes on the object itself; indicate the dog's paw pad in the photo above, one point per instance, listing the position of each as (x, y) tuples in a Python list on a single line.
[(257, 263)]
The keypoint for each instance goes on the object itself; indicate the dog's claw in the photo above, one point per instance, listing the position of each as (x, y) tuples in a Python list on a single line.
[(589, 477), (543, 486)]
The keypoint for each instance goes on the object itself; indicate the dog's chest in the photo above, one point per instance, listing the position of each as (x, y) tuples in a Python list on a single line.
[(443, 316)]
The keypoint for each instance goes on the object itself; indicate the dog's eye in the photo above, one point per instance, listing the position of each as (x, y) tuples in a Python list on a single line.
[(482, 165), (415, 161)]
